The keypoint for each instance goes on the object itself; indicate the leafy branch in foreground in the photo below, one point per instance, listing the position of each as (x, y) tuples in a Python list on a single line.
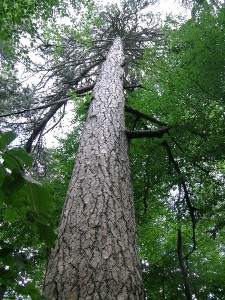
[(25, 220)]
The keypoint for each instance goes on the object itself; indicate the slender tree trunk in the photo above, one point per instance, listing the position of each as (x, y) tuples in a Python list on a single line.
[(187, 287), (96, 256)]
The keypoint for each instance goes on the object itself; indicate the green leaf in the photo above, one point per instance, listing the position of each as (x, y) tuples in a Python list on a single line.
[(20, 261), (10, 162), (88, 97), (6, 274), (2, 198), (40, 198), (21, 155), (47, 234), (74, 96), (13, 186), (2, 175), (6, 139), (11, 215), (41, 201), (6, 251), (29, 289), (3, 288)]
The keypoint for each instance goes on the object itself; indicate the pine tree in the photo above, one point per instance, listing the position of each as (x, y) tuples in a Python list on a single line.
[(96, 256)]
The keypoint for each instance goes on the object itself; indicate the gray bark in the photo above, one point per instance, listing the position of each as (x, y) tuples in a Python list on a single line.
[(96, 256)]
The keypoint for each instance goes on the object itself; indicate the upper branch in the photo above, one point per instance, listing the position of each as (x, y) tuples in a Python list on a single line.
[(41, 125), (136, 134), (144, 116)]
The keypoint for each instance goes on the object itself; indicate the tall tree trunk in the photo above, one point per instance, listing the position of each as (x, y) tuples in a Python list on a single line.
[(96, 256)]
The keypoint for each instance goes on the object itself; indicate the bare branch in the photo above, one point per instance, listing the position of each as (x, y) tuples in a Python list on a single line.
[(80, 93), (34, 108), (144, 116), (41, 125), (137, 134)]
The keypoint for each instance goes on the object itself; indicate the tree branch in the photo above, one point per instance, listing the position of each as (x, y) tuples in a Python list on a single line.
[(41, 125), (136, 134), (34, 108), (144, 116), (191, 208), (80, 92)]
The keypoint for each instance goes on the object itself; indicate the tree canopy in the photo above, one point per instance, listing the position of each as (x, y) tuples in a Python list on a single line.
[(174, 89)]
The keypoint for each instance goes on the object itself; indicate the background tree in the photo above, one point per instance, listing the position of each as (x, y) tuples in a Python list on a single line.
[(185, 85)]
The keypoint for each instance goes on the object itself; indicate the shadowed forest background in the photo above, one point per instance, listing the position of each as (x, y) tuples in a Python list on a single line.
[(174, 88)]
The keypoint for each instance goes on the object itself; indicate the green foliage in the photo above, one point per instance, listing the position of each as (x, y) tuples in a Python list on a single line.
[(19, 18), (24, 23), (15, 16), (183, 79), (60, 169), (25, 220)]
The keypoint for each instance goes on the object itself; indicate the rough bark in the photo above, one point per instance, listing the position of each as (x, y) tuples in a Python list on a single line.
[(96, 256)]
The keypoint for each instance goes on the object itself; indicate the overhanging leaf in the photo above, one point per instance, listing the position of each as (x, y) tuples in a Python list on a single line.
[(21, 155), (47, 234), (10, 162), (2, 175), (6, 139)]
